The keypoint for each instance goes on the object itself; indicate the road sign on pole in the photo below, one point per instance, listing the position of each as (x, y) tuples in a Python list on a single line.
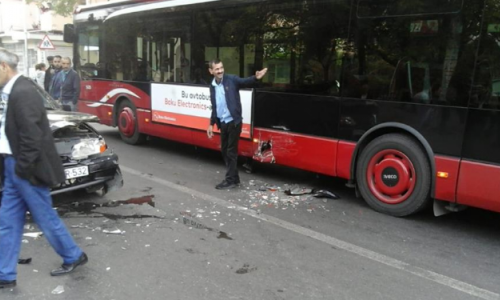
[(46, 44)]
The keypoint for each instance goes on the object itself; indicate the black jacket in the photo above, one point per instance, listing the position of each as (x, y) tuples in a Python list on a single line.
[(232, 85), (30, 137), (48, 78), (70, 88)]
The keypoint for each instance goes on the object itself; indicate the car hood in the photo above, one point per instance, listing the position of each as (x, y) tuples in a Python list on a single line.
[(59, 116)]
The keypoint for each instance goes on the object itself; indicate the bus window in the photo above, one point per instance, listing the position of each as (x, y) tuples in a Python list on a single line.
[(88, 52), (407, 59), (300, 42), (394, 8), (155, 49), (486, 88)]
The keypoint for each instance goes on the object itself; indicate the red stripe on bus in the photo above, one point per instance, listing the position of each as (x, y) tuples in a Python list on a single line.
[(445, 188), (479, 185), (344, 157)]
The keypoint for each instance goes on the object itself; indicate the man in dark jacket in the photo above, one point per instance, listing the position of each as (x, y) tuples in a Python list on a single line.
[(31, 165), (226, 113), (70, 88), (55, 81)]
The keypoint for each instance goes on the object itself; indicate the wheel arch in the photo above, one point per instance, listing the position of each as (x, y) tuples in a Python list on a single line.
[(116, 106), (393, 127)]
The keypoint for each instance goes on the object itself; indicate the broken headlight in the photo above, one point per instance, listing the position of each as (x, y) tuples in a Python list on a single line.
[(88, 147)]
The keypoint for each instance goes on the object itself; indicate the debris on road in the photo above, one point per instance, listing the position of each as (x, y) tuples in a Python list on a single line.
[(116, 231), (34, 235), (324, 194), (58, 290), (24, 261), (189, 220), (245, 269)]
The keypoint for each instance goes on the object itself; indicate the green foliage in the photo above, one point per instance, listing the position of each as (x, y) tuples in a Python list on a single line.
[(60, 7)]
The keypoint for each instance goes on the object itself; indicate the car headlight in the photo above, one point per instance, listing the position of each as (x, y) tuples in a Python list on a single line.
[(88, 147)]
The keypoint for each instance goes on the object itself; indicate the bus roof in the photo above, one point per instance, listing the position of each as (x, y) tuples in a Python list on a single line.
[(100, 11), (97, 6), (155, 5)]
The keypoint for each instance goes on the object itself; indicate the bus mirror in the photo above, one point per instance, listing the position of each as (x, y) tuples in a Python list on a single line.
[(69, 33)]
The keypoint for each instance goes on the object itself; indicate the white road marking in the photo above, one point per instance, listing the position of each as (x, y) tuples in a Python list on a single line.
[(386, 260)]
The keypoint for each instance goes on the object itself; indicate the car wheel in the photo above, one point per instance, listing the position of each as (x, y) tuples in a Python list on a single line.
[(127, 124), (393, 175)]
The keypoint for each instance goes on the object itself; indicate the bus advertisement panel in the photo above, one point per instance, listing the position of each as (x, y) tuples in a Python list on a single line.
[(190, 106)]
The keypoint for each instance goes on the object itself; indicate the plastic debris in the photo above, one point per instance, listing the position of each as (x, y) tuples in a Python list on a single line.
[(24, 261), (324, 194), (34, 235), (58, 290), (116, 231), (298, 191)]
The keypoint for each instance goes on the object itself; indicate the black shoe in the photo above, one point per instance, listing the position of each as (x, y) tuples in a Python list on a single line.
[(5, 284), (225, 185), (68, 268)]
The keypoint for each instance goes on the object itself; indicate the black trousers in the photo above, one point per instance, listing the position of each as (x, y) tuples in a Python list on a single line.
[(230, 137)]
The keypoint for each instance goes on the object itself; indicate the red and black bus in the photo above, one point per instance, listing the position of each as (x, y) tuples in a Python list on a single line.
[(399, 97)]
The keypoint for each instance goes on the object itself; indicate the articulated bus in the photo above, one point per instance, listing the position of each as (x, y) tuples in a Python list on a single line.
[(399, 97)]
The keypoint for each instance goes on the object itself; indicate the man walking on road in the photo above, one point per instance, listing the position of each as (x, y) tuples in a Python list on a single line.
[(31, 165), (70, 87), (226, 113)]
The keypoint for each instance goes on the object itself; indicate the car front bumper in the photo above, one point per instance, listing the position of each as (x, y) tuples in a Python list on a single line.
[(103, 172)]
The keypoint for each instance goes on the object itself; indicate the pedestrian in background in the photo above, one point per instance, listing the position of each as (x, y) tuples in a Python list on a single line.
[(70, 86), (49, 73), (31, 165), (226, 113), (55, 82), (40, 74)]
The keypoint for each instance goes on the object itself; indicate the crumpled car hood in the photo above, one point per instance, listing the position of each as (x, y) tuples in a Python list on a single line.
[(59, 116)]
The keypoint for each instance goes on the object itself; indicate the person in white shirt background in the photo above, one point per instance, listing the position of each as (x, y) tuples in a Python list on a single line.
[(40, 74)]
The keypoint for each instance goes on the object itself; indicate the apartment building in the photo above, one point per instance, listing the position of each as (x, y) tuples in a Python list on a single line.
[(15, 15)]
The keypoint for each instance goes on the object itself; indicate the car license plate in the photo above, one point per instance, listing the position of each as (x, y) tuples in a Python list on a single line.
[(76, 172)]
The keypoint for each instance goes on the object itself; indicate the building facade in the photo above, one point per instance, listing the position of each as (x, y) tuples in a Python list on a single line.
[(39, 23)]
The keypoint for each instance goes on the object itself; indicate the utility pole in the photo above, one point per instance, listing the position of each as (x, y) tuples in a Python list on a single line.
[(26, 69)]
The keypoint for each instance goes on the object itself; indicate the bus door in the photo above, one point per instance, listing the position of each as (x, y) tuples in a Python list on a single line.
[(479, 181)]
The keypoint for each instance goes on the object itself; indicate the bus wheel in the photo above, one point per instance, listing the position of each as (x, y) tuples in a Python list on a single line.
[(393, 175), (127, 124)]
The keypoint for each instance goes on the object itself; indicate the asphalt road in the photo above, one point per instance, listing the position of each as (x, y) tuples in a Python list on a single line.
[(190, 241)]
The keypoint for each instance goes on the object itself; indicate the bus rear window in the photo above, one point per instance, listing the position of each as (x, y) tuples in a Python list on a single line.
[(395, 8)]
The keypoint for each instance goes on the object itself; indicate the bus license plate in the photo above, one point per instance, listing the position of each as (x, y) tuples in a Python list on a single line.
[(76, 172)]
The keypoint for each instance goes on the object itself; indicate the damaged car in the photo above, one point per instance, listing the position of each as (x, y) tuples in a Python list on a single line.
[(88, 162)]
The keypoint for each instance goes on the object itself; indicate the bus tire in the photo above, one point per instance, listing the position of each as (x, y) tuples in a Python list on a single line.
[(393, 175), (128, 125)]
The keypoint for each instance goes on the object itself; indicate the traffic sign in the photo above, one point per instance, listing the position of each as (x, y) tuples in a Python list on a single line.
[(46, 44)]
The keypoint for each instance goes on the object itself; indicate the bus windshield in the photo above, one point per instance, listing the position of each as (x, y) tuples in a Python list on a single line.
[(88, 51)]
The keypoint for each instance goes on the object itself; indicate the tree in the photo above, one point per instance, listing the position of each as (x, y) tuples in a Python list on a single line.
[(60, 7)]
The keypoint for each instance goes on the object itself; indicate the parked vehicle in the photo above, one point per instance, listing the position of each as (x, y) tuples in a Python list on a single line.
[(88, 162)]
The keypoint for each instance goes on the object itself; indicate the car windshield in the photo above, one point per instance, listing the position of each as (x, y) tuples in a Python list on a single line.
[(48, 102)]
